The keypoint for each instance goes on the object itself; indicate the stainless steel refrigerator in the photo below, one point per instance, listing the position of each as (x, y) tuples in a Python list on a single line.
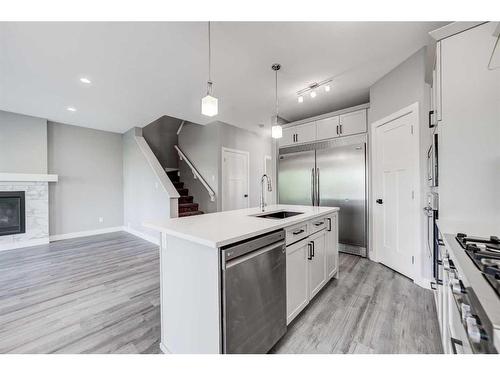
[(330, 173)]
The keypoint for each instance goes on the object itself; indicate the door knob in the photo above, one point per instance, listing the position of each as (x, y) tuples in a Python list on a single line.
[(246, 196), (379, 201)]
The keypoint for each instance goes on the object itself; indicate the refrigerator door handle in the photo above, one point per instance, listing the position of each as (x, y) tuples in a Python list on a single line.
[(312, 186), (317, 187)]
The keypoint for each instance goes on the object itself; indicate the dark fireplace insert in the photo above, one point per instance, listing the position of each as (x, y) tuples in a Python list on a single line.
[(12, 213)]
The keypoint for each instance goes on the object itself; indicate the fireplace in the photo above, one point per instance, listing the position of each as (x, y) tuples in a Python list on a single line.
[(12, 213)]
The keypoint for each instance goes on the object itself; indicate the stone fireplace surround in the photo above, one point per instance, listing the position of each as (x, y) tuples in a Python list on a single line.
[(36, 188)]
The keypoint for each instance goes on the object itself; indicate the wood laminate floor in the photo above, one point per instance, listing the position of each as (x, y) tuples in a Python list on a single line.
[(100, 294), (369, 309), (97, 294)]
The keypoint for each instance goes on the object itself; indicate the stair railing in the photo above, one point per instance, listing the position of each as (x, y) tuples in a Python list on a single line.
[(196, 174)]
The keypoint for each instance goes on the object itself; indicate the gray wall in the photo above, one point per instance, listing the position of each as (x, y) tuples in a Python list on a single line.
[(401, 87), (23, 143), (143, 197), (203, 146), (161, 136), (89, 165), (257, 146)]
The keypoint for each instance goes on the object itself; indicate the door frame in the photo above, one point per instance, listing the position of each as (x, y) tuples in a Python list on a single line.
[(413, 111), (233, 150)]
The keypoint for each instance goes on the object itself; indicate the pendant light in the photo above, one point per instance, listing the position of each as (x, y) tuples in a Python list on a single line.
[(209, 104), (276, 129)]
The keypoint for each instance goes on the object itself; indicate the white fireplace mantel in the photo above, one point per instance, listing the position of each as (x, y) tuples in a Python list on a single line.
[(28, 177)]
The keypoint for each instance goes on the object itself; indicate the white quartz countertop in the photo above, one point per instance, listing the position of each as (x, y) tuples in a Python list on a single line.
[(223, 228)]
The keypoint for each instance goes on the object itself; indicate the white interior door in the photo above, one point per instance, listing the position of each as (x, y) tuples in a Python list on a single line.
[(395, 187), (235, 189)]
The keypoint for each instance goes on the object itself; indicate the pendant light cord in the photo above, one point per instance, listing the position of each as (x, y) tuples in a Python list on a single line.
[(209, 88), (276, 96)]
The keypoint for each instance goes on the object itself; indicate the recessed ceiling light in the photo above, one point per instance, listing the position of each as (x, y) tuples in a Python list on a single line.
[(71, 109), (327, 88), (85, 80), (300, 99), (313, 94)]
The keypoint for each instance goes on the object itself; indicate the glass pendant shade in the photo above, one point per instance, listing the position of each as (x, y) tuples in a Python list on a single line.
[(209, 106), (276, 131)]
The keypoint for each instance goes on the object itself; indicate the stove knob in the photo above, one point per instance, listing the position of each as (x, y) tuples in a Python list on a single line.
[(473, 330), (465, 309)]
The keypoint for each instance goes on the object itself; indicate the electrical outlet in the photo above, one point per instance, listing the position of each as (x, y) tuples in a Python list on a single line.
[(101, 220)]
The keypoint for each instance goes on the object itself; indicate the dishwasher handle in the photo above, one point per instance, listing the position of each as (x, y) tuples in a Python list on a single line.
[(243, 258)]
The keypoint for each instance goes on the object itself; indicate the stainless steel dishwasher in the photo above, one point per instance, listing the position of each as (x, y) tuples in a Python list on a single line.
[(254, 294)]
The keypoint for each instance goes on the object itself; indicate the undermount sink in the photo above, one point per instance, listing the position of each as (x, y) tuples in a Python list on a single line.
[(278, 214)]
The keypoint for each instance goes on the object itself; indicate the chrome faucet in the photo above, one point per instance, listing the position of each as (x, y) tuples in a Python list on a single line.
[(269, 188)]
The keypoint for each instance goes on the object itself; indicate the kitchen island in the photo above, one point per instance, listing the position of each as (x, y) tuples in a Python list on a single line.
[(193, 258)]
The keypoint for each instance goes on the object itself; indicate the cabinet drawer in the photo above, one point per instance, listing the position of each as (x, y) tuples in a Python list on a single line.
[(296, 233), (316, 225)]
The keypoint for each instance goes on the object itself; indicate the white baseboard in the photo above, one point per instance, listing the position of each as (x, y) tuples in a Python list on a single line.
[(85, 233), (19, 245), (164, 349), (424, 283), (147, 237)]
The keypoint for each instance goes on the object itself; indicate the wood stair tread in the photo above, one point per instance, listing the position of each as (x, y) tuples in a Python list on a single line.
[(185, 204), (190, 213)]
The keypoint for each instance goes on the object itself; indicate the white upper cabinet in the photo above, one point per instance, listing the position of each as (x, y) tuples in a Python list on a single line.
[(305, 132), (299, 134), (437, 84), (288, 137), (353, 123), (327, 128)]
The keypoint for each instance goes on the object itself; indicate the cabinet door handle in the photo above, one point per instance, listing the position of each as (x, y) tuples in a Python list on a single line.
[(312, 249), (298, 232), (296, 137), (319, 223), (337, 130), (329, 224), (340, 128), (309, 251)]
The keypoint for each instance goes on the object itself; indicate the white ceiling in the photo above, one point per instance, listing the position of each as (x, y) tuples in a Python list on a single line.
[(141, 71)]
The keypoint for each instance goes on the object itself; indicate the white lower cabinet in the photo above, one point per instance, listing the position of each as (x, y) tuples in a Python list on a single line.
[(297, 291), (310, 263), (317, 262), (332, 251)]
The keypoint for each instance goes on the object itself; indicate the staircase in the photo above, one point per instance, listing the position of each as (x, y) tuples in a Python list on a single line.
[(186, 206)]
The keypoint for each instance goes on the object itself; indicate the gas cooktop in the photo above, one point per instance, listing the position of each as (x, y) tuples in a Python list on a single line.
[(485, 253)]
